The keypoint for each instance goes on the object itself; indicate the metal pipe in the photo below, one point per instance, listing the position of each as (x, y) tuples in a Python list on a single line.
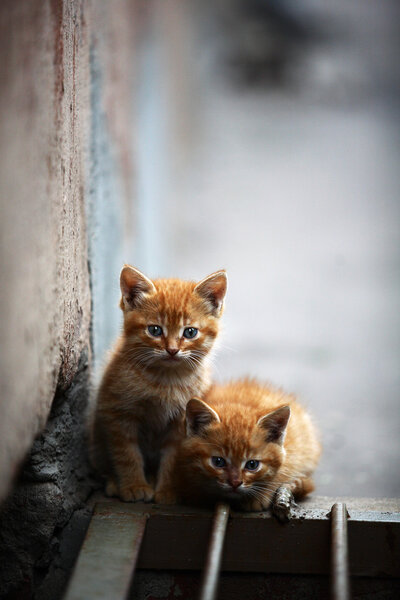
[(214, 556), (339, 553)]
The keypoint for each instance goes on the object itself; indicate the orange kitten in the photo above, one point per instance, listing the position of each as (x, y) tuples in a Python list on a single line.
[(159, 363), (242, 443)]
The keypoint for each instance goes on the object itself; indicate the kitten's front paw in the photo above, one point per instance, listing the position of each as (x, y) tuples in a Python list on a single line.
[(111, 488), (165, 496), (133, 493)]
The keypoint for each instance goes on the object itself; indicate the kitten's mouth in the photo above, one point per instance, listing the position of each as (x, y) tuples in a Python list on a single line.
[(171, 359), (233, 492), (233, 496)]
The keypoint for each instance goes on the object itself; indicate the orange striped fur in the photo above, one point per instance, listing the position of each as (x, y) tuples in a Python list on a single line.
[(151, 377), (240, 422)]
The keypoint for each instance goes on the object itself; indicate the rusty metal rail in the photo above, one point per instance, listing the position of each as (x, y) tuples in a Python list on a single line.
[(214, 557), (339, 553)]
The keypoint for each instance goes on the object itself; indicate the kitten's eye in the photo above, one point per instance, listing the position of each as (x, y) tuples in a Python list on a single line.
[(218, 461), (155, 330), (252, 465), (190, 332)]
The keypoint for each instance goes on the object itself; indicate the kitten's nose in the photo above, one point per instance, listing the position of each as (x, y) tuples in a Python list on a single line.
[(235, 483), (234, 477), (172, 351)]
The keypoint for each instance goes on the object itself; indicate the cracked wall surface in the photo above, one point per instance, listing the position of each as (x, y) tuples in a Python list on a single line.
[(54, 484)]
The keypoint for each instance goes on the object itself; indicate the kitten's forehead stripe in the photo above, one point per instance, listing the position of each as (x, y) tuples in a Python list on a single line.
[(174, 306)]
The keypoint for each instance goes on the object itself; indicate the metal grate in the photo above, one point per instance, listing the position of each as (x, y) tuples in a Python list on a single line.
[(124, 536)]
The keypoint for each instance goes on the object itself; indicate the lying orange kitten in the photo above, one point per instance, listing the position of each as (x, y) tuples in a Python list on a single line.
[(159, 363), (242, 443)]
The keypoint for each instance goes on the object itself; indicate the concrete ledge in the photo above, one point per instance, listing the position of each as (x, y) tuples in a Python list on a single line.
[(177, 537)]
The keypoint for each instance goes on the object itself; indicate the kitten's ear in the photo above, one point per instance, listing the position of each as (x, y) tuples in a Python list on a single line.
[(134, 285), (198, 416), (275, 423), (213, 290)]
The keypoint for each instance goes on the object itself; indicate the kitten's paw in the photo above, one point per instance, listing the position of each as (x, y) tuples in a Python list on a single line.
[(111, 489), (282, 504), (165, 496), (133, 493)]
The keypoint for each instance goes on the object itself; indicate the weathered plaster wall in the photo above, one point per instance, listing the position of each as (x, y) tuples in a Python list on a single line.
[(66, 170), (66, 187), (45, 295)]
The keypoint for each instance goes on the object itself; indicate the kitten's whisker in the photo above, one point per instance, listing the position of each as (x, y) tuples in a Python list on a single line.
[(226, 347), (258, 495), (262, 484), (265, 489), (192, 363)]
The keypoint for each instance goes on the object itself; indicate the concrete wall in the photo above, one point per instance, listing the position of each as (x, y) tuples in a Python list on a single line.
[(45, 295), (66, 187)]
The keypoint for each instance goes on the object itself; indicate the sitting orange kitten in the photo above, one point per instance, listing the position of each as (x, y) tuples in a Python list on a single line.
[(243, 443), (159, 363)]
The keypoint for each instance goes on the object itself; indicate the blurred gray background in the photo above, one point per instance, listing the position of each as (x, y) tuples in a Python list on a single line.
[(268, 144)]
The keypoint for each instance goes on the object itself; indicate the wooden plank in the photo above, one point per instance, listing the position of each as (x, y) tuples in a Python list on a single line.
[(108, 556)]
